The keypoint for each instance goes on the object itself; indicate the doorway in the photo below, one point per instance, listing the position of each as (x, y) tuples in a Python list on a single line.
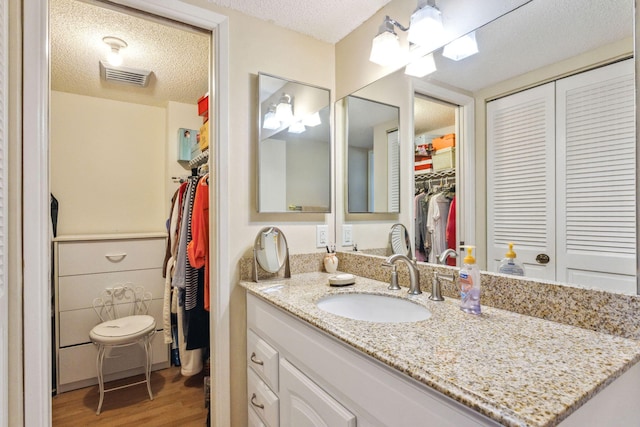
[(113, 151), (37, 337)]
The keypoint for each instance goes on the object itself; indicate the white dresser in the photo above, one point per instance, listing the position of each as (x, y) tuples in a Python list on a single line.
[(83, 267)]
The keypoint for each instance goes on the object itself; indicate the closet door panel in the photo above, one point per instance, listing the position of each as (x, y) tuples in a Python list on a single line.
[(520, 179), (596, 140)]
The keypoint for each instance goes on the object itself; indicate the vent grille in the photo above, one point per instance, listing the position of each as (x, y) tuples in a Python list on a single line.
[(124, 75)]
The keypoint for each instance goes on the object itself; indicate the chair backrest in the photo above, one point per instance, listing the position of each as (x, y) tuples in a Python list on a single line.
[(122, 300)]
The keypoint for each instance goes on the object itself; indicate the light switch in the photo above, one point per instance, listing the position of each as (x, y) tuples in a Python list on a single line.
[(347, 235), (322, 239)]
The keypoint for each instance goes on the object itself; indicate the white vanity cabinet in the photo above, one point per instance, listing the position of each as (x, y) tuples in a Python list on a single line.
[(323, 382), (84, 266)]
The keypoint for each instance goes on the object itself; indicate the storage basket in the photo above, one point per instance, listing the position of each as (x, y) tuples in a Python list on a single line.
[(444, 159)]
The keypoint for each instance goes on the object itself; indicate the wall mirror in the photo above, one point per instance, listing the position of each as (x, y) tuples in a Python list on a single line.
[(294, 146), (270, 252), (373, 156), (538, 42)]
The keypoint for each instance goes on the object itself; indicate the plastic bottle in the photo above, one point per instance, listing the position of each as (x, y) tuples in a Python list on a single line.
[(469, 282), (510, 265)]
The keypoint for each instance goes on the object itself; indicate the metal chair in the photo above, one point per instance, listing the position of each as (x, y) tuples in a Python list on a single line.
[(135, 327)]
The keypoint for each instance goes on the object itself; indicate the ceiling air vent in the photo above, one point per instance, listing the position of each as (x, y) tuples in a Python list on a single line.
[(124, 75)]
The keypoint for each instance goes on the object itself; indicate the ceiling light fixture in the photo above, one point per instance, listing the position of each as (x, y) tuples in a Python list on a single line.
[(461, 48), (284, 109), (114, 57), (421, 66), (270, 121)]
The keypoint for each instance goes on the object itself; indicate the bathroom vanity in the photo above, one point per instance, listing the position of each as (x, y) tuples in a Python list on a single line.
[(452, 369)]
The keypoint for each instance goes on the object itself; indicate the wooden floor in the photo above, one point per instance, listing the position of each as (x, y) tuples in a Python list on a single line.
[(177, 401)]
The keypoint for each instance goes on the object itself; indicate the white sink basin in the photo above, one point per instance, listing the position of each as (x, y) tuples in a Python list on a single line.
[(373, 308)]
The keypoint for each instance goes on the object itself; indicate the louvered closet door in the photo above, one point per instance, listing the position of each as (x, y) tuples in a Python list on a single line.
[(520, 179), (393, 159), (596, 178)]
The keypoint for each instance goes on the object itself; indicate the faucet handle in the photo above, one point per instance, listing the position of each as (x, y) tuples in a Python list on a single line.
[(393, 283)]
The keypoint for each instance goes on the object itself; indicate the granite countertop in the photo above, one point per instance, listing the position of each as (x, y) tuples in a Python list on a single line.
[(515, 369)]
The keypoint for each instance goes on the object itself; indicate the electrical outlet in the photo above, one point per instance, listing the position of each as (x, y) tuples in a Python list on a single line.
[(322, 238), (347, 235)]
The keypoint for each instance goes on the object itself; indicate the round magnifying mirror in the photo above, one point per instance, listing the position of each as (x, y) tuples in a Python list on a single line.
[(270, 249), (399, 239)]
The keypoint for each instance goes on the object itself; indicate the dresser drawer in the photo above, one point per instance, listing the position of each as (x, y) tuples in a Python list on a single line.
[(76, 324), (263, 359), (262, 399), (109, 255), (75, 292), (254, 419), (78, 363)]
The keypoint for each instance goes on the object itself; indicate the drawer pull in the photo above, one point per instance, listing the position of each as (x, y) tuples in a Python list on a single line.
[(116, 257), (257, 405), (255, 360)]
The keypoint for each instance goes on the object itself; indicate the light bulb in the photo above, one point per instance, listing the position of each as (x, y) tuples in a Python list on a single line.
[(114, 58)]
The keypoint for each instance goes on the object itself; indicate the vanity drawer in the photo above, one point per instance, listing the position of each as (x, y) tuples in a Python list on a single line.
[(109, 255), (78, 363), (263, 359), (262, 399), (76, 324), (254, 419), (76, 292)]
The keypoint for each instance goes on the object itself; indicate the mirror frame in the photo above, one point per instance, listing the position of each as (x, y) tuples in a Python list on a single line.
[(329, 139), (258, 249)]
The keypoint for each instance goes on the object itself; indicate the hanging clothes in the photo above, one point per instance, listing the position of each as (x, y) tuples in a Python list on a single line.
[(198, 248), (436, 224), (450, 235)]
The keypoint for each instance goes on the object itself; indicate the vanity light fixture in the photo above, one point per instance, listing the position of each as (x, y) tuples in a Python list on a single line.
[(312, 119), (425, 27), (421, 66), (385, 47), (115, 44), (461, 48), (297, 127), (284, 110), (270, 121), (425, 33)]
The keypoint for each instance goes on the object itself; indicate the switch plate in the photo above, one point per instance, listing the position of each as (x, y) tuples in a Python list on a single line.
[(347, 235), (322, 239)]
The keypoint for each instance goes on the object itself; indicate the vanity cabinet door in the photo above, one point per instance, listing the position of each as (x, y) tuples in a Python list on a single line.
[(304, 404)]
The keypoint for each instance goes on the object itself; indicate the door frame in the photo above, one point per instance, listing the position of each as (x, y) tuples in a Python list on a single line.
[(36, 248), (465, 157)]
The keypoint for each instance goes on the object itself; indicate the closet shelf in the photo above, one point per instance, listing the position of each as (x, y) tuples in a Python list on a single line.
[(439, 174), (200, 159)]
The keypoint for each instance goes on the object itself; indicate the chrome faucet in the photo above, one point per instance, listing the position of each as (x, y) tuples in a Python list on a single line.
[(436, 293), (414, 274), (442, 258)]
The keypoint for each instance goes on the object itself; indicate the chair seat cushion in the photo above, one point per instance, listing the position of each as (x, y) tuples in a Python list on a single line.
[(122, 330)]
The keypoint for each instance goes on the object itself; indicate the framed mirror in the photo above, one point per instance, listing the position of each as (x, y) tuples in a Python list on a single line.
[(270, 252), (373, 156), (294, 146)]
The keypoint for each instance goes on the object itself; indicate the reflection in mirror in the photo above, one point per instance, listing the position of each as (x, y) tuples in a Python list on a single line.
[(373, 156), (399, 240), (539, 42), (294, 146), (270, 252)]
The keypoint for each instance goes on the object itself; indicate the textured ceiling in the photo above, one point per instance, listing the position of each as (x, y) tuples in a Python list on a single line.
[(326, 20), (177, 56)]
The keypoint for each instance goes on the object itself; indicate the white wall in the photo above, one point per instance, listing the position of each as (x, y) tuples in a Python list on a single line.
[(107, 165), (308, 158)]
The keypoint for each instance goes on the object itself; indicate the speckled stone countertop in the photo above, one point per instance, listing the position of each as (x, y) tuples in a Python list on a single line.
[(516, 369)]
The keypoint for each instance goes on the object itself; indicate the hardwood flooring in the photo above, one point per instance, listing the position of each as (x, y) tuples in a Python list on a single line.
[(177, 401)]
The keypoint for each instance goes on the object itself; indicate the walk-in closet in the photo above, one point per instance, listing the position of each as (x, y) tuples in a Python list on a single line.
[(129, 190)]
